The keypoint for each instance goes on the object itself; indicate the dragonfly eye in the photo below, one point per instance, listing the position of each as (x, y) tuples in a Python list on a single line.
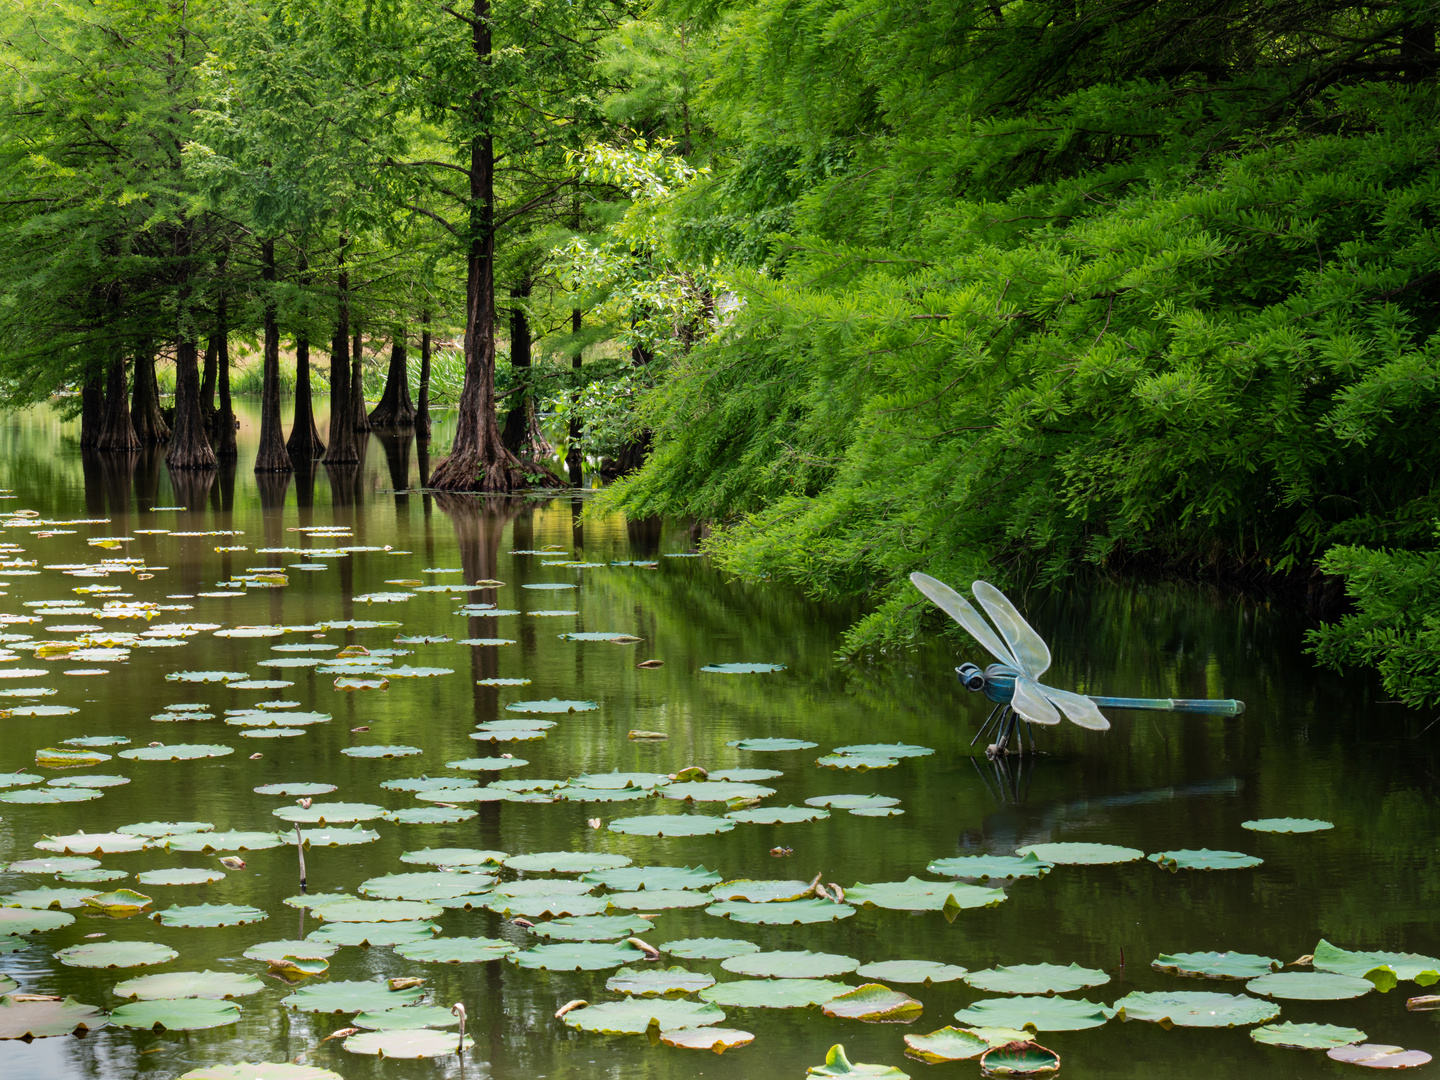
[(971, 676)]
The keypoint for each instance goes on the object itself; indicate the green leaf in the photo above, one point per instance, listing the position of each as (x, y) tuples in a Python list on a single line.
[(454, 857), (874, 1003), (47, 1019), (578, 956), (552, 705), (1287, 825), (652, 982), (709, 948), (981, 867), (373, 933), (1019, 1059), (1081, 854), (774, 993), (1204, 859), (592, 927), (837, 1064), (853, 802), (1407, 967), (225, 841), (210, 915), (350, 997), (913, 894), (448, 950), (119, 902), (375, 910), (1216, 965), (329, 813), (435, 886), (417, 1043), (380, 751), (1039, 1013), (672, 825), (634, 1016), (716, 1039), (946, 1044), (1309, 986), (777, 815), (856, 761), (1379, 1056), (1307, 1036), (1195, 1008), (743, 669), (566, 862), (177, 752), (26, 921), (782, 913), (714, 791), (116, 954), (635, 878), (408, 1018), (801, 964), (771, 745), (1036, 979), (189, 984), (911, 971), (176, 1014), (257, 1070)]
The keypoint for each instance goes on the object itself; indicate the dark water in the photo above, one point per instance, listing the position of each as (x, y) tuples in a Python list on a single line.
[(1312, 744)]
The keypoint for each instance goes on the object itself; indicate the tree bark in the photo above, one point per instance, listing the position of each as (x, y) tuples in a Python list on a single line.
[(304, 443), (395, 409), (92, 411), (574, 459), (422, 405), (344, 442), (522, 434), (207, 380), (478, 460), (116, 431), (149, 424), (271, 456), (357, 382), (189, 447), (224, 441)]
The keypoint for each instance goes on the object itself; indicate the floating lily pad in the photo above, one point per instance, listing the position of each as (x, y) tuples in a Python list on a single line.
[(92, 877), (569, 793), (487, 764), (234, 840), (672, 825), (430, 815), (90, 843), (454, 857), (177, 752), (774, 993), (1195, 1008), (1406, 967), (578, 956), (592, 927), (874, 1003), (253, 1070), (837, 1064), (489, 641), (802, 964), (709, 948), (1039, 1013), (408, 1018), (333, 812), (983, 867), (714, 791), (946, 1044), (1216, 965), (653, 982), (634, 1016), (1204, 859), (295, 789), (19, 779), (119, 903), (782, 913), (853, 802), (1307, 1036), (376, 910), (47, 1018), (547, 905), (158, 829), (913, 894), (566, 862), (636, 878), (743, 669), (30, 921), (272, 951), (330, 837), (761, 892), (447, 950), (206, 676), (1036, 979), (1082, 854), (189, 984), (430, 886), (381, 751), (911, 971), (771, 745), (350, 996), (1020, 1058), (1287, 825), (657, 899), (600, 635), (778, 815), (374, 933), (116, 954), (49, 796), (1379, 1056), (552, 705), (856, 761), (69, 757), (210, 915), (717, 1039), (1309, 986), (47, 897)]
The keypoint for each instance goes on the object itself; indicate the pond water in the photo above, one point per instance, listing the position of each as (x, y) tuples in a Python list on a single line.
[(1311, 745)]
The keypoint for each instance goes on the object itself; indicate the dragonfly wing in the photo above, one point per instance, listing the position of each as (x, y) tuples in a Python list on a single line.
[(960, 609), (1029, 648), (1029, 701), (1080, 710)]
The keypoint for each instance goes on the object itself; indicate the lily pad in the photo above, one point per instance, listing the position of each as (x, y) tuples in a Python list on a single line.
[(1036, 979), (49, 796), (47, 1018), (874, 1003), (634, 1016), (430, 815), (1379, 1056), (53, 757), (1195, 1008), (257, 1070), (157, 829), (761, 892), (1039, 1013), (781, 913), (837, 1064), (1307, 1036), (672, 825), (374, 933), (434, 886), (30, 921), (578, 956), (1082, 854), (709, 948), (743, 669), (774, 993), (354, 996), (657, 899), (330, 837), (856, 761), (1407, 967), (89, 843), (234, 840), (1216, 965), (376, 910), (210, 915), (717, 1039), (653, 982), (771, 745), (1020, 1058), (802, 964), (552, 705), (911, 971), (569, 793), (408, 1018), (853, 802), (714, 791), (1287, 825), (636, 878), (1309, 986), (487, 764), (381, 751), (566, 862), (983, 867), (454, 857), (448, 950), (47, 897), (116, 954), (547, 905), (592, 927), (946, 1044), (177, 752), (913, 894), (298, 788), (271, 951), (189, 984), (327, 813), (1204, 859), (121, 902)]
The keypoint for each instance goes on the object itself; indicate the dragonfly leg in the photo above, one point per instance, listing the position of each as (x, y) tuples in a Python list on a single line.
[(986, 725), (1030, 729), (1008, 720)]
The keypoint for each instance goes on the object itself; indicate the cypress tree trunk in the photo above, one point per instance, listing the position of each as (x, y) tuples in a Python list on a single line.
[(207, 381), (422, 405), (92, 411), (344, 444), (189, 448), (224, 441), (516, 433), (573, 458), (271, 457), (304, 443), (149, 424), (478, 460), (116, 431), (357, 382), (395, 409)]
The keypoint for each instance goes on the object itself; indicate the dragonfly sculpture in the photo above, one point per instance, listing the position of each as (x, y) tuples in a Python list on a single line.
[(1014, 683)]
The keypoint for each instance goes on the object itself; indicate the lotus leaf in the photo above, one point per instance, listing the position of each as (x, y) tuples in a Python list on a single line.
[(1077, 854), (337, 837), (761, 892), (621, 780), (982, 867), (94, 876), (68, 758), (544, 887), (552, 705), (374, 933), (656, 982), (1306, 1036), (59, 864), (502, 682), (120, 902), (1407, 967), (381, 751), (771, 745), (743, 669), (778, 815), (837, 1064), (254, 1070), (578, 956), (1378, 1056), (780, 913), (429, 783), (375, 910), (29, 921), (1019, 1058), (428, 885), (913, 894), (774, 993), (480, 641), (1309, 986), (295, 789), (210, 915), (48, 897), (635, 878), (462, 795), (19, 779), (206, 676), (657, 899), (566, 862), (89, 843), (856, 761), (885, 750), (570, 793), (189, 984), (430, 815), (946, 1044), (714, 791), (412, 1043), (790, 965), (553, 612), (225, 841), (1039, 1013), (271, 951), (853, 802), (1205, 859), (1036, 979), (177, 752), (156, 829), (547, 906), (911, 971), (710, 948), (48, 796), (1287, 825), (592, 927), (634, 1016), (326, 813), (447, 950), (706, 1038), (1216, 965), (408, 1018), (672, 825), (116, 954), (487, 764), (84, 740), (454, 857), (1195, 1008), (875, 1004), (350, 997), (47, 1018), (600, 635)]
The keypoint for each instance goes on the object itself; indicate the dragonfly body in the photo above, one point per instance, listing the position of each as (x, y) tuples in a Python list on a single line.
[(1013, 683)]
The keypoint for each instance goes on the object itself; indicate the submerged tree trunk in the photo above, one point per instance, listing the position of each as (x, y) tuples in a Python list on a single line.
[(522, 435), (145, 416), (189, 446), (357, 382), (304, 443), (395, 409), (478, 460), (116, 431), (224, 440), (422, 403), (344, 442), (574, 460), (207, 380), (271, 456), (92, 411)]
